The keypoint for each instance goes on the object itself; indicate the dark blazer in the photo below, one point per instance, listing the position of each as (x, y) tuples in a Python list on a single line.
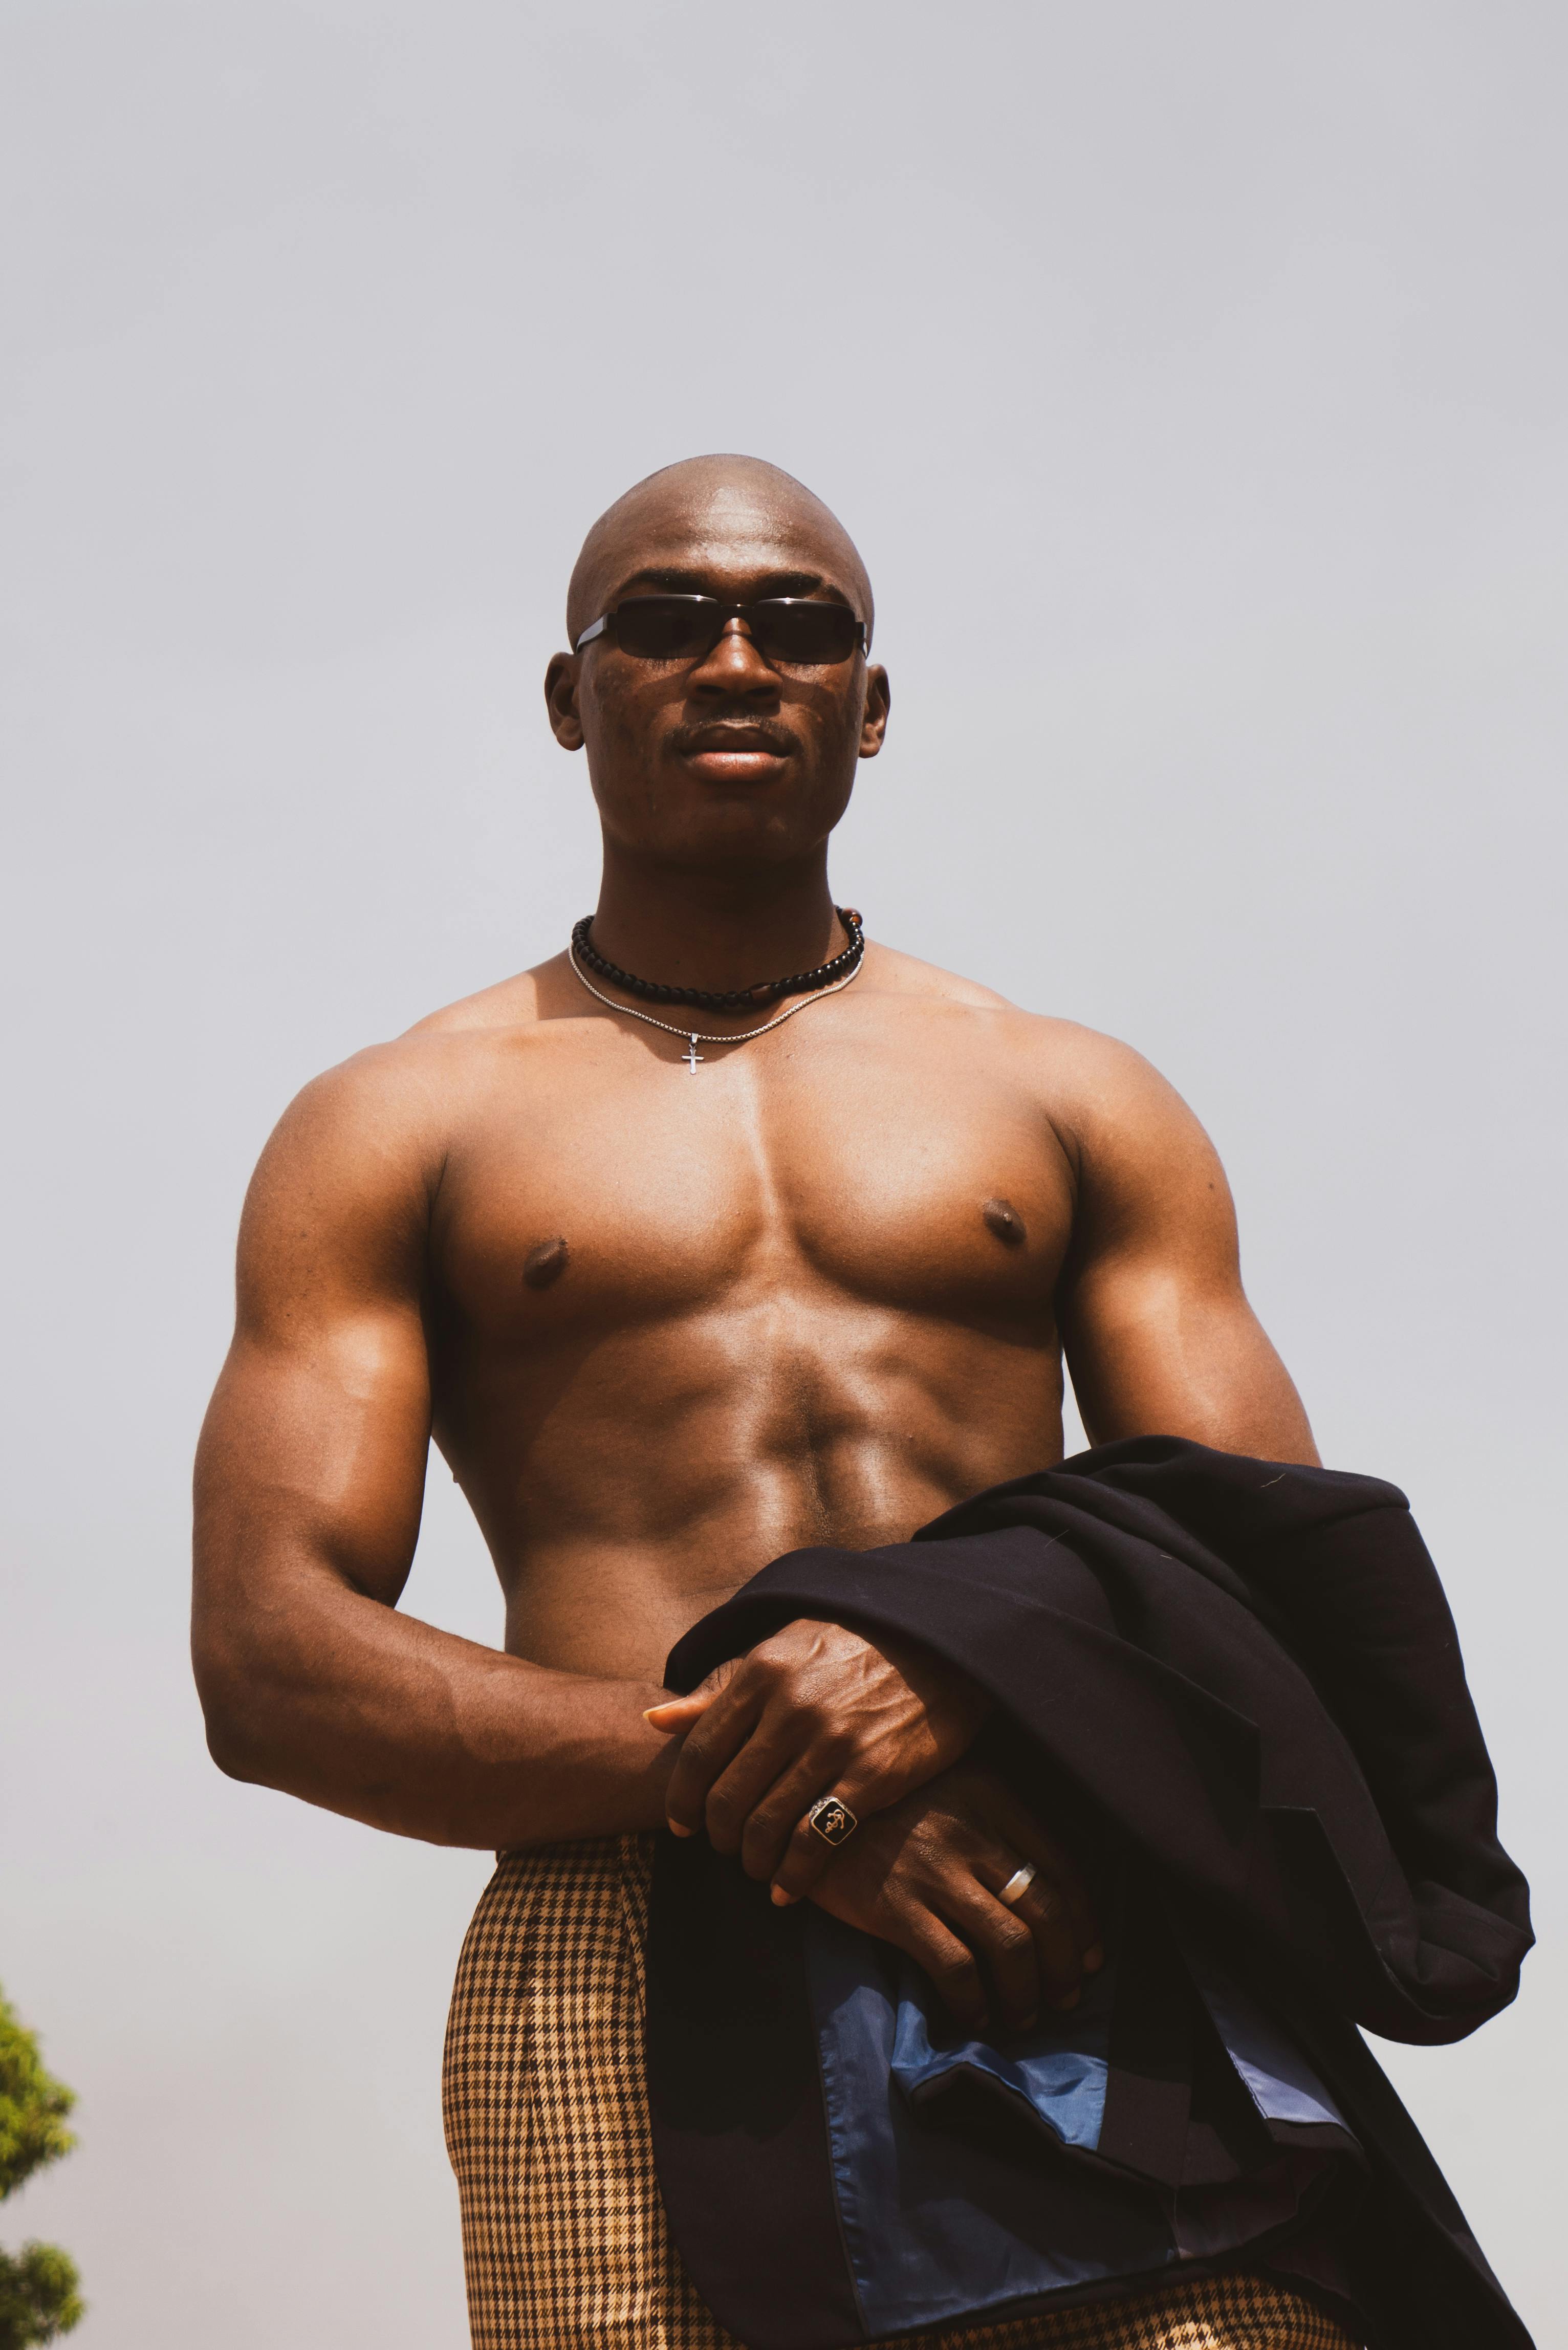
[(1241, 1684)]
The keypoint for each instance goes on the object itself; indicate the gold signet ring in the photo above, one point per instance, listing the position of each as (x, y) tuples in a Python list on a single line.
[(1017, 1884), (835, 1822)]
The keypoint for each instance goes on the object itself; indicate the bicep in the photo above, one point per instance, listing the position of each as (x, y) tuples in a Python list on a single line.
[(1160, 1336), (312, 1457), (315, 1455)]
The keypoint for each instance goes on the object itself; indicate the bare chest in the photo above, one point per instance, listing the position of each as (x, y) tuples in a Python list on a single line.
[(602, 1184)]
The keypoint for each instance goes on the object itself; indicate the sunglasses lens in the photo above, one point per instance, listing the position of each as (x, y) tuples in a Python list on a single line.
[(666, 628), (687, 628), (812, 634)]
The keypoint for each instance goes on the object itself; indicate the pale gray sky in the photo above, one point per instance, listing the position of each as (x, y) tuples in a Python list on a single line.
[(1195, 381)]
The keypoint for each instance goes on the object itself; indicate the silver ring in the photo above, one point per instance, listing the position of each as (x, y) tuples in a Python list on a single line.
[(1018, 1885), (833, 1820)]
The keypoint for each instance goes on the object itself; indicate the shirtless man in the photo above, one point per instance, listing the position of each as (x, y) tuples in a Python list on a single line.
[(672, 1308)]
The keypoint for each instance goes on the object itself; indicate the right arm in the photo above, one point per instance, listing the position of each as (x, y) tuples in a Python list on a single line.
[(309, 1480), (309, 1483)]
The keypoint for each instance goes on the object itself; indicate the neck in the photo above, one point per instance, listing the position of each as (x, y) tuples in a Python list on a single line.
[(721, 931)]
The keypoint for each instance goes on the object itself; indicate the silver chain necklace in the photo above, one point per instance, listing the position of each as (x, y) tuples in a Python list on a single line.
[(691, 1057)]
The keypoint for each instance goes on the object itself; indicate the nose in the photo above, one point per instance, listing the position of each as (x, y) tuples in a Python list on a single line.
[(734, 665)]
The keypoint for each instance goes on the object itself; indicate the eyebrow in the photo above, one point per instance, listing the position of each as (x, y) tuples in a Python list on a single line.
[(677, 582)]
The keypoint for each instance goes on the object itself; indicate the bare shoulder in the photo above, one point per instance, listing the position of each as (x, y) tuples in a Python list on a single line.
[(1083, 1056), (393, 1105), (410, 1086), (905, 974), (510, 1005), (1104, 1098)]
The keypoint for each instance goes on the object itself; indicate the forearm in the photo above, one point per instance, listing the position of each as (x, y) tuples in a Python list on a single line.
[(333, 1697)]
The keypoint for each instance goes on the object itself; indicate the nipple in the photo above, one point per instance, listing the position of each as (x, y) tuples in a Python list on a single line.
[(1003, 1219), (546, 1264)]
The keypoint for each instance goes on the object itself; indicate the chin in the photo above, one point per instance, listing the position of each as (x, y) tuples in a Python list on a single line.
[(677, 818), (722, 845)]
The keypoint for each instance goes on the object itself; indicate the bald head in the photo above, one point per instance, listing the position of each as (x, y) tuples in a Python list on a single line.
[(706, 513), (730, 760)]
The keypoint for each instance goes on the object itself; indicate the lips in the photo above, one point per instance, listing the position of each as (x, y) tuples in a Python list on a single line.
[(719, 741)]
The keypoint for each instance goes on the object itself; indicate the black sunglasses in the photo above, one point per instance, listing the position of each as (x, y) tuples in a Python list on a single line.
[(788, 628)]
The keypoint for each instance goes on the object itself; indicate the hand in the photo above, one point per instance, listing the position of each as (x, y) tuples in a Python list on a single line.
[(924, 1876), (815, 1711)]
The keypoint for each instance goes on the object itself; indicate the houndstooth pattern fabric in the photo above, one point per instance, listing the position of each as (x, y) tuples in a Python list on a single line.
[(565, 2240)]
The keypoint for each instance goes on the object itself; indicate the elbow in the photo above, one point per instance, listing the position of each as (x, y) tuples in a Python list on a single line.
[(230, 1717), (231, 1751)]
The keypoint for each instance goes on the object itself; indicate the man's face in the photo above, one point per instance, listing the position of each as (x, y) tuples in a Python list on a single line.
[(727, 760)]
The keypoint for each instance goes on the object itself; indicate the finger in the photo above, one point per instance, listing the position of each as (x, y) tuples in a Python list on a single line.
[(1036, 1844), (746, 1784), (1042, 1913), (804, 1854), (677, 1713), (1004, 1942), (708, 1748), (778, 1822), (946, 1958), (719, 1678)]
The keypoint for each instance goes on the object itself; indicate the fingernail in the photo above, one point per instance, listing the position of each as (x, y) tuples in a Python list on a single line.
[(1094, 1959), (779, 1898), (676, 1829), (1029, 2024), (1071, 2001)]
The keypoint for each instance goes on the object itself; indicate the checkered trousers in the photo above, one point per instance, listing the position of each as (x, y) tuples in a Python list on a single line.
[(565, 2240)]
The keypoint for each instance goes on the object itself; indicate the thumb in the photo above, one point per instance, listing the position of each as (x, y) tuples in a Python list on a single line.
[(674, 1714)]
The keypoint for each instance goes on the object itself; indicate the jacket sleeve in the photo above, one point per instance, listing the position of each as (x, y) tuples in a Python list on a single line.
[(1254, 1675)]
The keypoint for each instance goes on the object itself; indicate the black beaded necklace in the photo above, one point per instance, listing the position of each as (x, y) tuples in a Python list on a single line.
[(732, 998)]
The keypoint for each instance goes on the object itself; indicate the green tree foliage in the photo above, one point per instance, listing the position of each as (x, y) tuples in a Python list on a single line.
[(38, 2296)]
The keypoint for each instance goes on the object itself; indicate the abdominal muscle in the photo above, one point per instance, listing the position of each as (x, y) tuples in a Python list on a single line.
[(626, 1494)]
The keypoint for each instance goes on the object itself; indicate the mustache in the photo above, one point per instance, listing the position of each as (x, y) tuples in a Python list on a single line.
[(766, 732)]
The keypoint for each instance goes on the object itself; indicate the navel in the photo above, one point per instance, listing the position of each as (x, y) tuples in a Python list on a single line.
[(546, 1264), (1003, 1219)]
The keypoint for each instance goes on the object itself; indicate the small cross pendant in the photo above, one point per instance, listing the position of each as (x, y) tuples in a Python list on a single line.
[(691, 1057)]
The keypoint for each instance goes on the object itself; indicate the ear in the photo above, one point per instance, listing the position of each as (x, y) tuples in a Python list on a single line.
[(874, 720), (561, 700)]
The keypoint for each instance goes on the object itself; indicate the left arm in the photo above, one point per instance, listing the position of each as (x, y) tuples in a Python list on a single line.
[(1160, 1336), (1160, 1341)]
